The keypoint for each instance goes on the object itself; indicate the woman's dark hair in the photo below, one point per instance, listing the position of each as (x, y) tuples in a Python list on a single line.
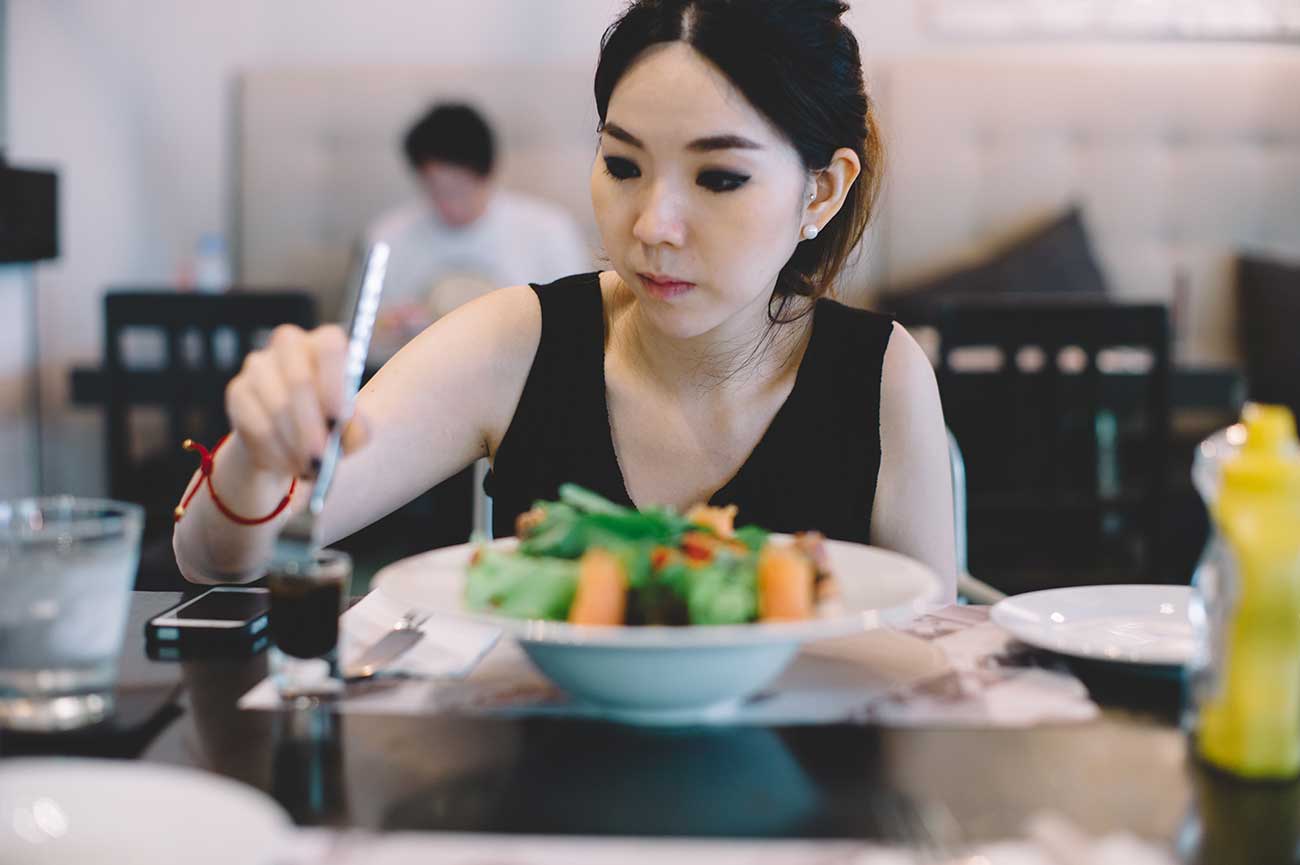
[(798, 64), (451, 133)]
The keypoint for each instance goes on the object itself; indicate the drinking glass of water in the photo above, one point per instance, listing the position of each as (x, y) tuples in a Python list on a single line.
[(66, 569), (305, 609)]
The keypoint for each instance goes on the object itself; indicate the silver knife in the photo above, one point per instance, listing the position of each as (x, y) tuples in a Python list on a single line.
[(388, 648)]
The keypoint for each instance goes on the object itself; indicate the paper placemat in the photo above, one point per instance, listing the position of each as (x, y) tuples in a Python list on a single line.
[(950, 667)]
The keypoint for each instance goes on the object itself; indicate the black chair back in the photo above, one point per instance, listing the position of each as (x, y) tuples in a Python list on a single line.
[(195, 343), (1061, 407)]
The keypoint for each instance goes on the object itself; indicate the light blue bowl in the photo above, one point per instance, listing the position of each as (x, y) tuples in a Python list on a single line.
[(676, 675), (661, 685)]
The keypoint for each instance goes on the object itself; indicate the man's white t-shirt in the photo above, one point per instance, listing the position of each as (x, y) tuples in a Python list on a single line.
[(519, 239)]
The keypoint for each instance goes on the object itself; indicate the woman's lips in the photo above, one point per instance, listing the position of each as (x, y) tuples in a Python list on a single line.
[(664, 287)]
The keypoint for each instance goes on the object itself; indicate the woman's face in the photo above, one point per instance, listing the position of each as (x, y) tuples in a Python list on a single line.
[(699, 199)]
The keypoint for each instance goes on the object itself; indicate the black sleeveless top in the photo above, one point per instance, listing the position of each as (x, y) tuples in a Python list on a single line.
[(814, 468)]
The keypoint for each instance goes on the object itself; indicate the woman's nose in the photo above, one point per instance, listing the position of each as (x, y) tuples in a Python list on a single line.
[(660, 218)]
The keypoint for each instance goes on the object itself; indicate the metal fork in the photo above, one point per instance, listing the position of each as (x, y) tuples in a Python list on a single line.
[(395, 642), (298, 543)]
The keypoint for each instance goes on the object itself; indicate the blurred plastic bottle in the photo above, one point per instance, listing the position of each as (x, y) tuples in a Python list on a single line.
[(1246, 676), (211, 264)]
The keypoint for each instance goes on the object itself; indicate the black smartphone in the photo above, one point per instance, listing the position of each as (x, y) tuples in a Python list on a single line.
[(191, 650), (222, 618)]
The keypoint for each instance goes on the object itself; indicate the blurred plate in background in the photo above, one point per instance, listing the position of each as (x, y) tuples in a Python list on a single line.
[(1136, 624), (59, 811)]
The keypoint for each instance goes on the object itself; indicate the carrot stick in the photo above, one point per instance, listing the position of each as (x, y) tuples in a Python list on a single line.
[(601, 598), (785, 585)]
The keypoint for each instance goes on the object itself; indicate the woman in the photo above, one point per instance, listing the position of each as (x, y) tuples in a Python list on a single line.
[(737, 167)]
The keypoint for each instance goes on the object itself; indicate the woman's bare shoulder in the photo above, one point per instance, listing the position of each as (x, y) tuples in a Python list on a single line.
[(506, 324), (473, 361), (913, 506), (910, 409), (907, 367), (493, 334), (515, 305)]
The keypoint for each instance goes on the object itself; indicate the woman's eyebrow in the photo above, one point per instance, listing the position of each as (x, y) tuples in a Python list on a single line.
[(723, 142), (699, 145), (613, 130)]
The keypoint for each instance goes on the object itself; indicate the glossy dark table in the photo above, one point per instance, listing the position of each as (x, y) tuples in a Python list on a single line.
[(1127, 771)]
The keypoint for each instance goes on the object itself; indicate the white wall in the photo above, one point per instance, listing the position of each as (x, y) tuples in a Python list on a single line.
[(4, 68), (17, 477), (131, 100)]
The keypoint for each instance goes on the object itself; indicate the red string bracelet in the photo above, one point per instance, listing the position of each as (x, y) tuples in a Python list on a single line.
[(205, 476)]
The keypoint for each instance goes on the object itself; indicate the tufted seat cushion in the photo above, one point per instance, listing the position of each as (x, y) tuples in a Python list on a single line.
[(1178, 154), (1054, 258)]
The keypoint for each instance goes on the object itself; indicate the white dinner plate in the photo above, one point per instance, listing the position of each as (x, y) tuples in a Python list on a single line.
[(674, 675), (61, 811), (1134, 624), (875, 587)]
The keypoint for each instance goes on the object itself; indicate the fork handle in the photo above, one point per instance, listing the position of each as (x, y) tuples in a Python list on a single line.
[(360, 328)]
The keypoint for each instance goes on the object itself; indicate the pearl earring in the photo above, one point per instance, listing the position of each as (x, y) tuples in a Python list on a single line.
[(809, 232)]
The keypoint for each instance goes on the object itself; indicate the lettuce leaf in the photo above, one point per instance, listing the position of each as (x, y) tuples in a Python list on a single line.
[(524, 587)]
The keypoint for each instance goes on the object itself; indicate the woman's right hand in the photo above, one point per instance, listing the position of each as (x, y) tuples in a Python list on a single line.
[(286, 398)]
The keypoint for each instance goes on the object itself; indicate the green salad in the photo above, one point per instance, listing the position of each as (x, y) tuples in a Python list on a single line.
[(587, 560)]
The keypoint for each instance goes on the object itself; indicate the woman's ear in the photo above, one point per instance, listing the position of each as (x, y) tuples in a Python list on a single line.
[(830, 187)]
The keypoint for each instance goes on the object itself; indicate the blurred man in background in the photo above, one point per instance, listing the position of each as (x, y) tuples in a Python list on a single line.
[(465, 235), (461, 237)]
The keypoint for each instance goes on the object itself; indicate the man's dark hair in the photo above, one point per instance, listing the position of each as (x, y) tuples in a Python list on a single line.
[(453, 133)]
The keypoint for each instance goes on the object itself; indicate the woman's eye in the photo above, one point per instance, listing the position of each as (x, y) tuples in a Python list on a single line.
[(721, 181), (620, 168)]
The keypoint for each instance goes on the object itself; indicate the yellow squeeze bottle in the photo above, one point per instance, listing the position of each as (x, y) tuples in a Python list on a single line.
[(1249, 724)]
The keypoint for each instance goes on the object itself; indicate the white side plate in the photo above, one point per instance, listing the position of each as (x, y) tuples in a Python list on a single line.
[(1134, 624)]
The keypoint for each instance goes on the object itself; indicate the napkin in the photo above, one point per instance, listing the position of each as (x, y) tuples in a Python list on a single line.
[(451, 647)]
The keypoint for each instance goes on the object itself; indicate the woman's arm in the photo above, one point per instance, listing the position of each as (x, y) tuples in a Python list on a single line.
[(913, 512), (439, 404)]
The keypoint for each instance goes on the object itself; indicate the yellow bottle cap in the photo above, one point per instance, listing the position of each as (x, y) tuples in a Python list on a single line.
[(1269, 427), (1270, 455)]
